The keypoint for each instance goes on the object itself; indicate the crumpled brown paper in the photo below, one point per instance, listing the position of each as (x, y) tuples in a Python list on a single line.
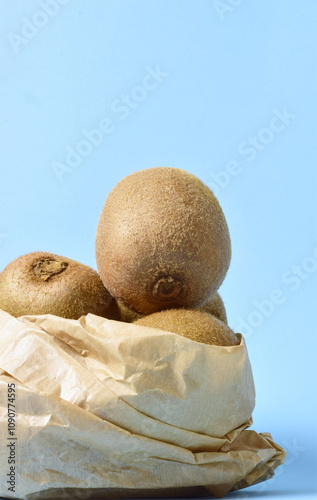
[(108, 409)]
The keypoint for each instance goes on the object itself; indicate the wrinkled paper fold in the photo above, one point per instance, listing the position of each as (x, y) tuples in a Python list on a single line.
[(107, 409)]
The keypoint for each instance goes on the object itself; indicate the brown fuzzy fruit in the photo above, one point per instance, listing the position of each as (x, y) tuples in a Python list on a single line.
[(162, 241), (126, 314), (44, 283), (216, 307), (194, 324)]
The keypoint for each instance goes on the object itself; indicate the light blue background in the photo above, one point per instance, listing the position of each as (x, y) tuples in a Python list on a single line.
[(229, 67)]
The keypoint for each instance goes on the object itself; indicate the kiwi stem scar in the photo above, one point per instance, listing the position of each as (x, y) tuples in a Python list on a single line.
[(168, 287), (45, 268)]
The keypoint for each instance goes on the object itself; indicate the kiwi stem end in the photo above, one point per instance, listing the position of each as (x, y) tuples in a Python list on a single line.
[(168, 287), (45, 268)]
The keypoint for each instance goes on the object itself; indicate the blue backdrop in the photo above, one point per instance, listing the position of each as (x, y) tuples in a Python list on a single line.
[(226, 89)]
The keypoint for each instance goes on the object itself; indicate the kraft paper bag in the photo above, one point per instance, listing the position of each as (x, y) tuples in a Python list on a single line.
[(97, 408)]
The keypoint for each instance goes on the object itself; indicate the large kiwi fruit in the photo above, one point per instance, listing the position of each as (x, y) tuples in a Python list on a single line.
[(194, 324), (45, 283), (162, 241)]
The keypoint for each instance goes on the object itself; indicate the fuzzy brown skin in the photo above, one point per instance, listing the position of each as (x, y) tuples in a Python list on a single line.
[(213, 306), (162, 241), (126, 314), (194, 324), (216, 307), (44, 283)]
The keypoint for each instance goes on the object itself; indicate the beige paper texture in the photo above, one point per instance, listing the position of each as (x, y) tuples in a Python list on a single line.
[(106, 409)]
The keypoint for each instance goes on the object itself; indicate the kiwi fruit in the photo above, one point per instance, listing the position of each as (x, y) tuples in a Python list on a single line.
[(216, 307), (191, 323), (162, 241), (45, 283), (126, 314)]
